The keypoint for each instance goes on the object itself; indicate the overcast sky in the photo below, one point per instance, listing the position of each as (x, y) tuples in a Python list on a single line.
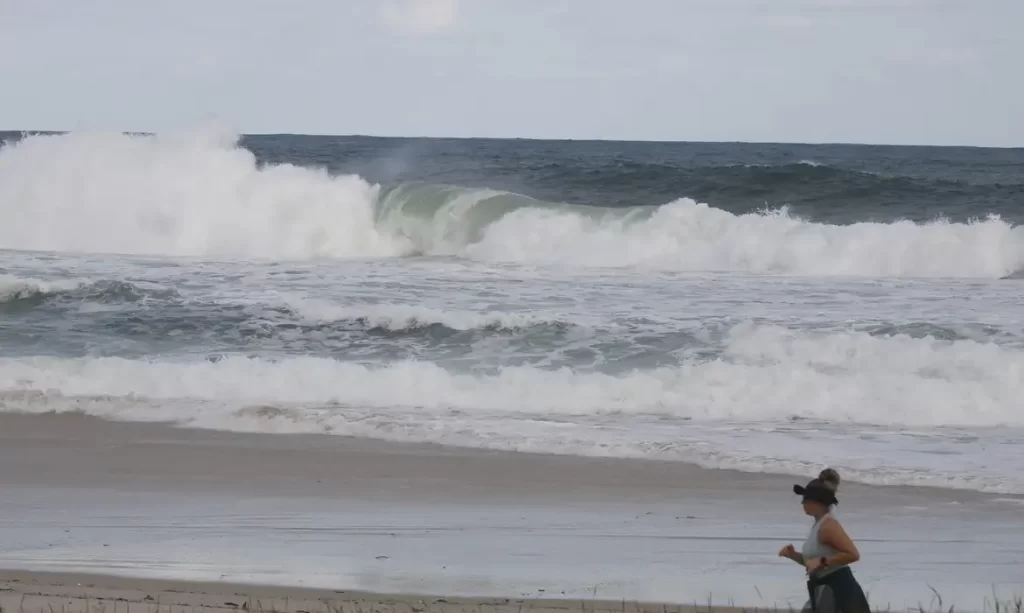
[(881, 71)]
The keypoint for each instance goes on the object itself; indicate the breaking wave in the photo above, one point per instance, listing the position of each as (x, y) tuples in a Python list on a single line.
[(200, 194), (765, 373)]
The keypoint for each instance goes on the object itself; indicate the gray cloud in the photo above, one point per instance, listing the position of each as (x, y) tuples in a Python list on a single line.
[(890, 71), (420, 16)]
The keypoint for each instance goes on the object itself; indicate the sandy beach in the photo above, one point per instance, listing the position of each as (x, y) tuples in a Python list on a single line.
[(144, 503), (29, 592)]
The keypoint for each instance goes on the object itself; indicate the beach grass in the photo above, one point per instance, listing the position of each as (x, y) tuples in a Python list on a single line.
[(441, 605)]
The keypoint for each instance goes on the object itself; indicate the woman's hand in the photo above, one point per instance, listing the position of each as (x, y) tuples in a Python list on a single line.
[(788, 552), (812, 565)]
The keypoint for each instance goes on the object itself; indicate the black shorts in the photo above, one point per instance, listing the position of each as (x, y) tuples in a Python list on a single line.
[(836, 592)]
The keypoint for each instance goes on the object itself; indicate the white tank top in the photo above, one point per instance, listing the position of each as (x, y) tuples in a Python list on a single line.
[(813, 548)]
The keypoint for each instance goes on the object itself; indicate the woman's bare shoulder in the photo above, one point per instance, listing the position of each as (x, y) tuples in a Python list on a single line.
[(831, 522)]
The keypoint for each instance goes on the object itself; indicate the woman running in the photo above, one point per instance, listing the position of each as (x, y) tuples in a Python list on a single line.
[(828, 552)]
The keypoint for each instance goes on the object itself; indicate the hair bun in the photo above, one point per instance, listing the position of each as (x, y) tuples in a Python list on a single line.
[(830, 478)]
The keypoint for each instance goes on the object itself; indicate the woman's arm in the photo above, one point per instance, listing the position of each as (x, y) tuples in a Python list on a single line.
[(833, 535)]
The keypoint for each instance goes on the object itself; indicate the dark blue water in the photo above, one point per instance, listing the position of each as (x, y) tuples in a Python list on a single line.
[(828, 183)]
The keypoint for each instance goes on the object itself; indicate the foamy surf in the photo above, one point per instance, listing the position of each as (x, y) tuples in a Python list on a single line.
[(205, 196), (402, 317), (170, 195), (845, 392), (690, 236), (765, 374), (17, 288)]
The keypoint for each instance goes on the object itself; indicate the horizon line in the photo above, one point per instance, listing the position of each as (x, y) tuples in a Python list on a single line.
[(836, 143)]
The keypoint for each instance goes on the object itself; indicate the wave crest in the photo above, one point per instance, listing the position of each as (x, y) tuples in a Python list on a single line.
[(411, 318), (690, 236), (16, 291), (205, 196)]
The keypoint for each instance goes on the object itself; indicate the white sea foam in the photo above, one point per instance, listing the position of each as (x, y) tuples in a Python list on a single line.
[(686, 235), (17, 288), (728, 412), (201, 195), (766, 374), (195, 195), (397, 317)]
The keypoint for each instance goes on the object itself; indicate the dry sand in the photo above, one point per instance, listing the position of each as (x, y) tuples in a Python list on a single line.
[(22, 592)]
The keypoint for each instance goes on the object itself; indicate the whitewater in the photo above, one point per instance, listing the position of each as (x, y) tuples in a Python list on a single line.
[(273, 287), (200, 194)]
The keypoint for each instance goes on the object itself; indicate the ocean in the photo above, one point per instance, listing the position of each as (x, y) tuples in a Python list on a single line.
[(769, 308)]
